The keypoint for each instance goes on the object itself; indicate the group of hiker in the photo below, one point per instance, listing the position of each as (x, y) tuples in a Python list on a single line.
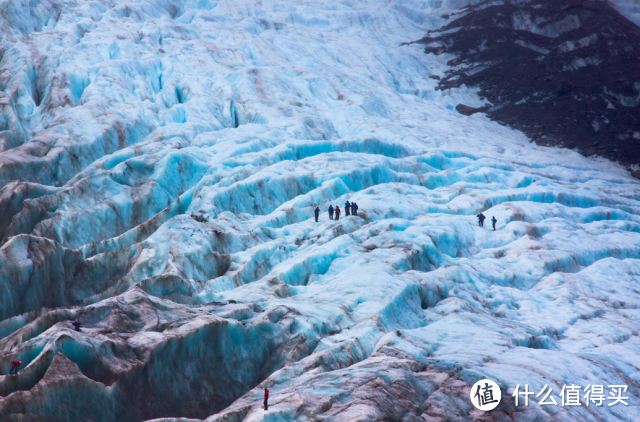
[(350, 208), (481, 218)]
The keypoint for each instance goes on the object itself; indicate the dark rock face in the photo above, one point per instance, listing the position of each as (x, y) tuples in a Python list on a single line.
[(565, 72), (468, 110)]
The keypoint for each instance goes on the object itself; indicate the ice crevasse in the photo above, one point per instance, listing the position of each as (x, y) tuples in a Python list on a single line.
[(160, 162)]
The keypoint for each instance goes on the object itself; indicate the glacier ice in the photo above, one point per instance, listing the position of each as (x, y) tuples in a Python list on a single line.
[(160, 161)]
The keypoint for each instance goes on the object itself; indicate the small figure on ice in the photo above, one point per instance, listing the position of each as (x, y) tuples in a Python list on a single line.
[(317, 213), (266, 398), (347, 207), (354, 208), (481, 219), (337, 213), (15, 366), (330, 212), (494, 221), (77, 326)]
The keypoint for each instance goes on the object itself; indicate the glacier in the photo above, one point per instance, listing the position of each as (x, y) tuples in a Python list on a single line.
[(160, 161)]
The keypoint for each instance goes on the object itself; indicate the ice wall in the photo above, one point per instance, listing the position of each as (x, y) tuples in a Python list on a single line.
[(159, 166)]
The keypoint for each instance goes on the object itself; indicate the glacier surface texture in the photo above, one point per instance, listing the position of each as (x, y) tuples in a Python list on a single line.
[(160, 162)]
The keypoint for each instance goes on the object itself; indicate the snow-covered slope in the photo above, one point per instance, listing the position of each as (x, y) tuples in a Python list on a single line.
[(160, 164), (629, 8)]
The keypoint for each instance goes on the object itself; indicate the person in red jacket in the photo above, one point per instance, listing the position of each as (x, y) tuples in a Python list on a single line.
[(337, 213), (266, 399), (15, 365)]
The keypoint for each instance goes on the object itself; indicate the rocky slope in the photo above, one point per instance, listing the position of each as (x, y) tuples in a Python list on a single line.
[(563, 72)]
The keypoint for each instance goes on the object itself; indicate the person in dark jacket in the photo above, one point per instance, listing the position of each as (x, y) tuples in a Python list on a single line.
[(337, 213), (354, 208), (77, 326), (266, 399), (330, 212), (317, 213), (347, 207), (494, 221), (481, 219), (15, 365)]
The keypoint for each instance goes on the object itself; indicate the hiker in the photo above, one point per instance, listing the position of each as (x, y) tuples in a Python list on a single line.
[(330, 212), (15, 365), (77, 325), (317, 213), (494, 221), (347, 207), (481, 219), (337, 213), (266, 398), (354, 208)]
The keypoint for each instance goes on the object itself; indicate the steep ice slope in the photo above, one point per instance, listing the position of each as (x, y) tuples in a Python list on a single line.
[(161, 162), (629, 8)]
